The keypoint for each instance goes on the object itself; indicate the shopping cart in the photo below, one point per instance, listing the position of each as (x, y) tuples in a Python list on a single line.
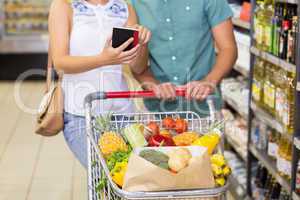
[(97, 167)]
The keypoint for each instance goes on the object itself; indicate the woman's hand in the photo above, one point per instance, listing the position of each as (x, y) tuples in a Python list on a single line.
[(114, 56), (144, 34)]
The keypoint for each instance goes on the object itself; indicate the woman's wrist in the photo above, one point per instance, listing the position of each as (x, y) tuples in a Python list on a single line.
[(102, 60)]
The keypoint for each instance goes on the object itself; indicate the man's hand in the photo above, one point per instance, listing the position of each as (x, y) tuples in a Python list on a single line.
[(144, 34), (163, 91), (199, 90)]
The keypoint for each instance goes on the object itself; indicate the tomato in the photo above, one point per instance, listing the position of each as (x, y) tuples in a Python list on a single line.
[(168, 123), (154, 127), (160, 140), (181, 125)]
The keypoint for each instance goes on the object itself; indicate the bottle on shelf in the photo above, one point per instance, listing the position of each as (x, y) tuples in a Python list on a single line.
[(289, 103), (281, 93), (258, 81), (269, 91), (292, 40), (258, 25), (266, 187), (274, 138), (284, 158), (283, 41), (298, 179), (276, 29), (268, 15), (276, 21)]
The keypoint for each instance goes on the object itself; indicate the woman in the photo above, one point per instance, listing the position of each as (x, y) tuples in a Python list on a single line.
[(80, 39)]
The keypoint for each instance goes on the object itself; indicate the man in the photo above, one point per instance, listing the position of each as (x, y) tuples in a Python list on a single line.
[(182, 52)]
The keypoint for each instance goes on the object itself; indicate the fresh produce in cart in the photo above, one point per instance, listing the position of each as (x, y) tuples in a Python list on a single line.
[(220, 169), (170, 148), (156, 157), (135, 135), (185, 139), (111, 142)]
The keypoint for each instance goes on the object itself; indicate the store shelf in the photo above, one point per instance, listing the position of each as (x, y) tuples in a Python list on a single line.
[(266, 118), (295, 196), (241, 70), (24, 44), (234, 105), (297, 143), (271, 166), (234, 145), (237, 190), (274, 60), (288, 1), (241, 23), (298, 86)]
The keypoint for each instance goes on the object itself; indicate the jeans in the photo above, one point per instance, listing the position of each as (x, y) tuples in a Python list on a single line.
[(76, 137)]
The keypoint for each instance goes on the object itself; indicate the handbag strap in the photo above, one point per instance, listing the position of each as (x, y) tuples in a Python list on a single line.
[(50, 79), (50, 76)]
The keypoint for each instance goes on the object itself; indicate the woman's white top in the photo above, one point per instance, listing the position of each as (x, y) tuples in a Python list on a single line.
[(92, 26)]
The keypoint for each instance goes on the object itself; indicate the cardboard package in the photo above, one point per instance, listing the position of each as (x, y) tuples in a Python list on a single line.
[(144, 176)]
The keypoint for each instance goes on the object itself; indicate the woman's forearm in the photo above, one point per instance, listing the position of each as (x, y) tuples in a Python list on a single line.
[(140, 63), (77, 64)]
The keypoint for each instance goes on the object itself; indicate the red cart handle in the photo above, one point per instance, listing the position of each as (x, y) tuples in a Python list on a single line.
[(137, 94)]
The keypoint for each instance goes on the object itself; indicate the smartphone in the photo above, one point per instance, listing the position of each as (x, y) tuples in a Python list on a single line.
[(121, 35)]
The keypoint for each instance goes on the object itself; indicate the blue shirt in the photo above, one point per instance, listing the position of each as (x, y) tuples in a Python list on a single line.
[(182, 46)]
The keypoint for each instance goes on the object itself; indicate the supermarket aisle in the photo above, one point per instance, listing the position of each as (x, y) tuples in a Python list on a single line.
[(32, 167)]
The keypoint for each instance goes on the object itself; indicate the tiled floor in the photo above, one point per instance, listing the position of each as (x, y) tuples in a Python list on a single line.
[(32, 167)]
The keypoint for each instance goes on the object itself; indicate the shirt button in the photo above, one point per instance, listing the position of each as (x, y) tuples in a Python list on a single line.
[(168, 20), (170, 38), (188, 8), (175, 78), (174, 58)]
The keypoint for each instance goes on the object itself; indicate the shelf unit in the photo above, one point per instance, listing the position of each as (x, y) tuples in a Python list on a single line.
[(267, 119), (242, 112), (260, 114), (241, 70), (241, 23), (273, 59), (22, 43), (234, 146), (238, 191), (270, 165)]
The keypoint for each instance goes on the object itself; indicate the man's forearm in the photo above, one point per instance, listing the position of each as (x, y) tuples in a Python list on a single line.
[(226, 58), (146, 79)]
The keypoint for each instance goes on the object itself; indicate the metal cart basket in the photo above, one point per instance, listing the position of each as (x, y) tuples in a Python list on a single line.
[(96, 163)]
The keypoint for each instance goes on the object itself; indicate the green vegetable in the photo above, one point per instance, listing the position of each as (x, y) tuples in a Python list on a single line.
[(156, 157), (135, 135), (118, 156)]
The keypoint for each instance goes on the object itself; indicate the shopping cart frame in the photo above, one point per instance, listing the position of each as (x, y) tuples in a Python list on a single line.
[(92, 146)]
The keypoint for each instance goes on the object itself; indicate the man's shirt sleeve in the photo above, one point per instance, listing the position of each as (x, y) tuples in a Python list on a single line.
[(217, 11)]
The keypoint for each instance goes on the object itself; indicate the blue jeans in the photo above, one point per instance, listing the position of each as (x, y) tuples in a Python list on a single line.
[(76, 137)]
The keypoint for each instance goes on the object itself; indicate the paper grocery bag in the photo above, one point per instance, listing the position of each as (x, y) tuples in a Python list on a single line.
[(144, 176)]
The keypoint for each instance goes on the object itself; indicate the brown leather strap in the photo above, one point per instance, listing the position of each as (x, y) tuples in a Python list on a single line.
[(49, 69)]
